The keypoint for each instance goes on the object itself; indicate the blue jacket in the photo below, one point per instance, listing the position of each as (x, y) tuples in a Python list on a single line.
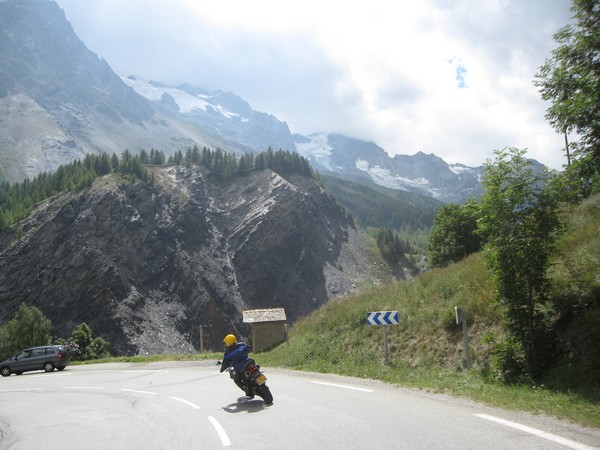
[(236, 355)]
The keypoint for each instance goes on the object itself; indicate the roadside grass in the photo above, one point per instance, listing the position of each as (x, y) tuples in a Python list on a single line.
[(425, 351)]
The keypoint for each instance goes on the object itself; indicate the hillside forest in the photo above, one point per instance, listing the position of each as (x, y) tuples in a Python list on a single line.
[(17, 200)]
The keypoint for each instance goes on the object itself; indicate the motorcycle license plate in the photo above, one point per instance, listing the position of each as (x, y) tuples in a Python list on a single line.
[(261, 379)]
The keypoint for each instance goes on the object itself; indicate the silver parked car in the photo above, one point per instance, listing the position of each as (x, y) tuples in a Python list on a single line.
[(47, 358)]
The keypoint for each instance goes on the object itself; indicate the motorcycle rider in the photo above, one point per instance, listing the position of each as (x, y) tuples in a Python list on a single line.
[(236, 355)]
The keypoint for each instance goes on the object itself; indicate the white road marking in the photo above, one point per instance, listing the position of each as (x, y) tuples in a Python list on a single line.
[(83, 387), (21, 390), (139, 392), (539, 433), (343, 386), (44, 374), (193, 405), (222, 434), (146, 371)]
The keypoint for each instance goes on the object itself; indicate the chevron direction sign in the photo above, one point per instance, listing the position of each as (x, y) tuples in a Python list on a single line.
[(383, 318)]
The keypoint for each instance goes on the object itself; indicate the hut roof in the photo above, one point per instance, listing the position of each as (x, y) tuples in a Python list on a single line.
[(263, 315)]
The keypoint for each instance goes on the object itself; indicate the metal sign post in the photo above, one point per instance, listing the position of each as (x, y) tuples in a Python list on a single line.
[(383, 318), (461, 316), (203, 332), (385, 347)]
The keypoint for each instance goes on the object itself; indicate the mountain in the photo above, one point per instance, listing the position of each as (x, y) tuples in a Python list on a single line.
[(376, 206), (59, 101), (423, 174), (145, 263), (334, 154), (223, 113)]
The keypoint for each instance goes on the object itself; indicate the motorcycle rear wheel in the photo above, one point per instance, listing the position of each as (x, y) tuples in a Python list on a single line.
[(264, 392)]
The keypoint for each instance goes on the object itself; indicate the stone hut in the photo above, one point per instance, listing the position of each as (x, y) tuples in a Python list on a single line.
[(268, 327)]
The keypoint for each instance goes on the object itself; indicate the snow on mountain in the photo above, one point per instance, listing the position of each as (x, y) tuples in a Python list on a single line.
[(230, 116), (222, 112), (420, 173), (186, 103), (316, 148), (383, 177)]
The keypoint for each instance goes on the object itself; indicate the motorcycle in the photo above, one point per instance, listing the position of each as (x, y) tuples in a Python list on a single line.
[(255, 380)]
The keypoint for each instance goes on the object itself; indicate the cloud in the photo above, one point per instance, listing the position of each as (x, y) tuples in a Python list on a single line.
[(398, 93), (390, 72)]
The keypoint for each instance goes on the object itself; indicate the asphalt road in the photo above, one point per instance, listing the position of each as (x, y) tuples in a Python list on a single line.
[(191, 405)]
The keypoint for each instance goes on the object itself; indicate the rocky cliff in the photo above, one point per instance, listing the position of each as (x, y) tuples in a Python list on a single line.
[(145, 264)]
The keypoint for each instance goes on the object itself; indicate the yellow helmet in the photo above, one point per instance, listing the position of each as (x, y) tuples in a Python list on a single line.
[(230, 340)]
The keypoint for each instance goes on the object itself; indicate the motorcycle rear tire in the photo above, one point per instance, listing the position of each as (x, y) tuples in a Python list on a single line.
[(264, 392)]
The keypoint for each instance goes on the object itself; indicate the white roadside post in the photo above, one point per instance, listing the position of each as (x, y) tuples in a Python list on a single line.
[(461, 316), (383, 318)]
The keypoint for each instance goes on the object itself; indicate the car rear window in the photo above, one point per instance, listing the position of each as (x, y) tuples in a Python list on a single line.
[(50, 351)]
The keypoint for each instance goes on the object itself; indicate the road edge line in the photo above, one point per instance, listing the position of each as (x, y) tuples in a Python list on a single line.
[(535, 432), (354, 388)]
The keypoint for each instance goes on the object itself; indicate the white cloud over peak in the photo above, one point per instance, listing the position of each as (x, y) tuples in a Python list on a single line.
[(450, 77)]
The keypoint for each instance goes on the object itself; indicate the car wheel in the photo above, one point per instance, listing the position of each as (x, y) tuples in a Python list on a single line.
[(5, 371), (48, 367), (18, 373), (60, 368)]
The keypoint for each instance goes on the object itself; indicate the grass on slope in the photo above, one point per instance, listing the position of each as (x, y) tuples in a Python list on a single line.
[(426, 349)]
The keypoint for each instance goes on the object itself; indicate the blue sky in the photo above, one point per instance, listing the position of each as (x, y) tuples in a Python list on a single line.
[(449, 77)]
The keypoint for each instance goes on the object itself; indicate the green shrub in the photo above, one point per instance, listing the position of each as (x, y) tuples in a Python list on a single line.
[(28, 328)]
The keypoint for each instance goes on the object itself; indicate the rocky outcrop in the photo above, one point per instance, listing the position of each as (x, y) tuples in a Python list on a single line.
[(145, 264)]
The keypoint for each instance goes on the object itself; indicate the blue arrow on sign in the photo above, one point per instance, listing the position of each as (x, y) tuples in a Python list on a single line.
[(383, 318)]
